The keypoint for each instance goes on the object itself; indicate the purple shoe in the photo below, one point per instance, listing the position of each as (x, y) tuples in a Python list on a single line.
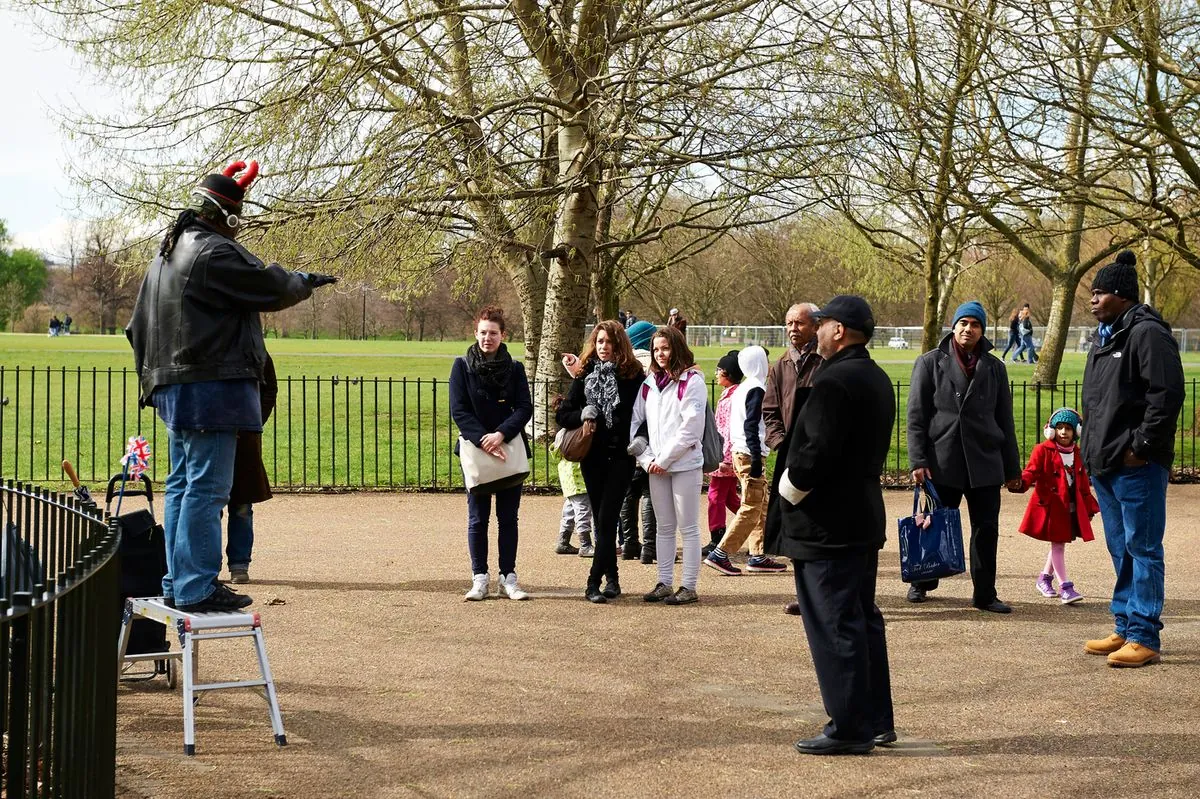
[(1045, 586), (1069, 595)]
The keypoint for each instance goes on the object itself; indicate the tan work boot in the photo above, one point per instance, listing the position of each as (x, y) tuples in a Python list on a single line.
[(1132, 656), (1104, 646)]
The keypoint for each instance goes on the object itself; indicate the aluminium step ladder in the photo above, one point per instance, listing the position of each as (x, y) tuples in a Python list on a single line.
[(192, 629)]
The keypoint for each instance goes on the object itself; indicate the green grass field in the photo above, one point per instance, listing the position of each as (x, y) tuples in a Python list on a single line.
[(350, 413)]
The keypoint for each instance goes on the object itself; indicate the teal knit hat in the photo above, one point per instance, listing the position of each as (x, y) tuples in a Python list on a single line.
[(1067, 415), (973, 309), (640, 334)]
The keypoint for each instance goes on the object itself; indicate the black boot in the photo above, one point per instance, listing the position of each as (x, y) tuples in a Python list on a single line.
[(716, 534), (648, 554)]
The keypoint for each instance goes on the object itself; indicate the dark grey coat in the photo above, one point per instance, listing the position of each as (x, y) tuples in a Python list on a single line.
[(962, 430)]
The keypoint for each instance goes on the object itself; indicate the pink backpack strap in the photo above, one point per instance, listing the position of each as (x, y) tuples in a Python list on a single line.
[(683, 381), (645, 391)]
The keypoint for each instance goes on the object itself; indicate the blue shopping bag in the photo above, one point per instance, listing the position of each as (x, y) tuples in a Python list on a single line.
[(933, 552)]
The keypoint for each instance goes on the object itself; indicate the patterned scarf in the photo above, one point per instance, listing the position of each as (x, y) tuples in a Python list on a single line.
[(600, 389)]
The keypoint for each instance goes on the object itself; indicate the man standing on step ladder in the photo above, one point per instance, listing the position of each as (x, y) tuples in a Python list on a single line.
[(199, 354)]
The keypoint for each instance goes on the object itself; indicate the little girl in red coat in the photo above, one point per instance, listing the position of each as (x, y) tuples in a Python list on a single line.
[(1062, 504)]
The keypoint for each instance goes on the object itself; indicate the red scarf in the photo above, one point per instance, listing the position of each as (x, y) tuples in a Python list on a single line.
[(967, 360)]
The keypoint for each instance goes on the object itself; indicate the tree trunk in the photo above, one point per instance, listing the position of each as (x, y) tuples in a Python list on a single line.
[(568, 283), (931, 333), (528, 277), (1062, 298)]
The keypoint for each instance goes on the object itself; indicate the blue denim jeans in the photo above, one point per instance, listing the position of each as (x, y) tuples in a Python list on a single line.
[(197, 489), (1133, 504), (240, 532)]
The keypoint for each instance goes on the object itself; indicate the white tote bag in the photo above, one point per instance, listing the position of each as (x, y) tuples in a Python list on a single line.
[(487, 474)]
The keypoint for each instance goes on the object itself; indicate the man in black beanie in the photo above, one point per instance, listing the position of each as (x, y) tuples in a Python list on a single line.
[(199, 353), (1132, 395)]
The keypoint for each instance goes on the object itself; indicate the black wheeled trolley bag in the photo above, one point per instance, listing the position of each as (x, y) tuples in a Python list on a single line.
[(143, 566)]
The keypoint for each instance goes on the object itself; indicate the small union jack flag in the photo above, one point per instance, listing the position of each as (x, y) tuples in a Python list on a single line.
[(137, 457)]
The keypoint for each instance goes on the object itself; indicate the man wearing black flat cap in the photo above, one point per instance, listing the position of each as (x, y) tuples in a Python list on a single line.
[(199, 353), (832, 527), (1132, 395)]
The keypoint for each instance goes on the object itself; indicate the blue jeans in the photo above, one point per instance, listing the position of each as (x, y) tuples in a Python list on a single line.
[(1133, 504), (240, 532), (479, 510), (196, 491)]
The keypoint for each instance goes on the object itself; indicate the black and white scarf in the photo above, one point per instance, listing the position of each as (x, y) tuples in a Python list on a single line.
[(600, 389)]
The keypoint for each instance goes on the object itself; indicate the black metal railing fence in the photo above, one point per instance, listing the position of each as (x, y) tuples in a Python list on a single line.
[(59, 602), (362, 432)]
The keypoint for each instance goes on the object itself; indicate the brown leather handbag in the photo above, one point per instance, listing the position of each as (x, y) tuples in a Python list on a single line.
[(575, 444)]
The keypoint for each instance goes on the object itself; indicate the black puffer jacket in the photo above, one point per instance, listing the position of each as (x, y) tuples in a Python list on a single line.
[(196, 315), (1132, 393), (962, 430)]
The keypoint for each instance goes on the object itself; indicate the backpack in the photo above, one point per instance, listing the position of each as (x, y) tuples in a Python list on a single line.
[(712, 445)]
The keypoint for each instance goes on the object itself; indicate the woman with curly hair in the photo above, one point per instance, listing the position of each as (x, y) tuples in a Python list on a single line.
[(603, 394)]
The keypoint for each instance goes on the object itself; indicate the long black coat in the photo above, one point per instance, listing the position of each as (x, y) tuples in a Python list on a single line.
[(251, 484), (959, 429), (836, 450)]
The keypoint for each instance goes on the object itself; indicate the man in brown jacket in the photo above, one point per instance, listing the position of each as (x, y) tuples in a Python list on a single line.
[(794, 369)]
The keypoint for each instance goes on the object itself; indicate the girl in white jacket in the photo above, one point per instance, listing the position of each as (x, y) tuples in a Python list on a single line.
[(671, 403)]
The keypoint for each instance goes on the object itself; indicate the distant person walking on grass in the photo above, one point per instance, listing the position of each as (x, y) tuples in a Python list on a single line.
[(677, 321), (1014, 333), (490, 403), (1132, 394), (1062, 504), (748, 432), (1025, 328)]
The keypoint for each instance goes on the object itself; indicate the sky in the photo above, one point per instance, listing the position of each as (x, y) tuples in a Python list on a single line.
[(39, 76)]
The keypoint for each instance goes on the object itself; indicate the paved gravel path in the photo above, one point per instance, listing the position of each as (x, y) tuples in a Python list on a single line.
[(391, 686)]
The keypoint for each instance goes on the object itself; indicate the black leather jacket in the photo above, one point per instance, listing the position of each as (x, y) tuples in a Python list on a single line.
[(196, 316)]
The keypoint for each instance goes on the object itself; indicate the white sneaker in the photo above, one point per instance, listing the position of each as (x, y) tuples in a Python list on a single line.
[(479, 588), (508, 584)]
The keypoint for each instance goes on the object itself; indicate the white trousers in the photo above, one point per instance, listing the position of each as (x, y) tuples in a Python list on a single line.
[(676, 498)]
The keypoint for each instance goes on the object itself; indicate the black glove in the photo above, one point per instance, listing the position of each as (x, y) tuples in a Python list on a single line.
[(756, 467), (316, 280)]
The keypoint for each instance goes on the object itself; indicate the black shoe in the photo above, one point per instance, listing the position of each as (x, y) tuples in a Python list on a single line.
[(915, 594), (222, 600), (824, 745), (169, 601), (594, 596), (647, 554), (886, 738), (995, 606), (632, 551), (792, 608), (565, 548), (612, 589), (707, 549)]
